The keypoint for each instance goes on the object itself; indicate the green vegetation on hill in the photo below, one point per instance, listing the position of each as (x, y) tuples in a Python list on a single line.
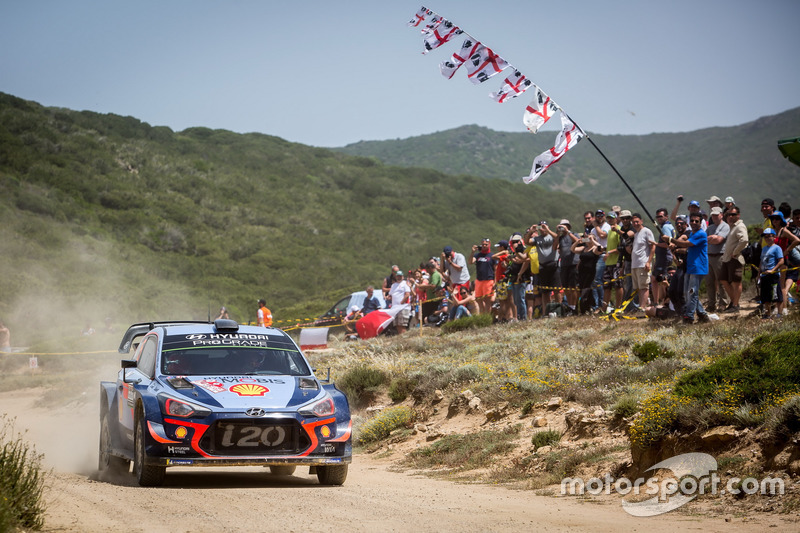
[(103, 215), (741, 161)]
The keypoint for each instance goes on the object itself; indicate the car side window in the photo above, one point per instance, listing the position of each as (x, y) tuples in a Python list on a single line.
[(147, 358)]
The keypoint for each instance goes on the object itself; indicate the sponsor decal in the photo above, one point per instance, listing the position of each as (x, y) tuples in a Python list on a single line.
[(178, 449), (253, 436), (210, 385), (181, 432), (179, 462), (249, 389), (328, 448), (326, 431), (234, 379)]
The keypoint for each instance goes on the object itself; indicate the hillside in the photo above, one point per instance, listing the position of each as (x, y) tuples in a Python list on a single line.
[(736, 161), (104, 215)]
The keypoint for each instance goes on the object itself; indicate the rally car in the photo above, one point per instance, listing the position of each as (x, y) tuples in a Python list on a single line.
[(221, 394)]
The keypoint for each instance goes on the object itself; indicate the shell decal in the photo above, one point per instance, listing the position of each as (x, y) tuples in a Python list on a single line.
[(249, 389)]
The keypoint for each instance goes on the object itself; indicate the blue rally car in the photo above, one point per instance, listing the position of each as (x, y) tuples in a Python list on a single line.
[(221, 394)]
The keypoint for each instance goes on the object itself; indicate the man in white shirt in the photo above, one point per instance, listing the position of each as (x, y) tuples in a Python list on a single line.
[(400, 295), (642, 250)]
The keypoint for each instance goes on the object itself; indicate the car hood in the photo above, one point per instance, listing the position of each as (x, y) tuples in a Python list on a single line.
[(233, 392)]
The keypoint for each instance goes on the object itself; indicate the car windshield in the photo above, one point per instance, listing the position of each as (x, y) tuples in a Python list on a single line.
[(265, 355)]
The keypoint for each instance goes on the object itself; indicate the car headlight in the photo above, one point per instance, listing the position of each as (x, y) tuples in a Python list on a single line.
[(174, 407), (323, 407)]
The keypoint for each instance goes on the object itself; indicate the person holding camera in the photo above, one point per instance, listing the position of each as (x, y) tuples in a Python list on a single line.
[(589, 251), (454, 266), (484, 275), (565, 238), (694, 209)]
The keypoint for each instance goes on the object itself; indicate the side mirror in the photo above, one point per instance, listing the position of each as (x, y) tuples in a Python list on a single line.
[(127, 363)]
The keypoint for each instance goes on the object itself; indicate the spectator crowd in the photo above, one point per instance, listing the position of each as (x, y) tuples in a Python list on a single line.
[(612, 262)]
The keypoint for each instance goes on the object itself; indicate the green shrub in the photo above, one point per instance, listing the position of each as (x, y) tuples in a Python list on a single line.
[(626, 406), (549, 437), (650, 350), (384, 423), (769, 366), (468, 322), (360, 383), (527, 407), (400, 388), (21, 481), (465, 452)]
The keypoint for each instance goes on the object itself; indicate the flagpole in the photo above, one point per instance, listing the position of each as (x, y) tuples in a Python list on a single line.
[(625, 182)]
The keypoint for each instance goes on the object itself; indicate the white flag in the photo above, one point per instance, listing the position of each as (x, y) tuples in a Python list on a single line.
[(419, 16), (449, 68), (483, 64), (514, 85), (539, 111), (568, 137)]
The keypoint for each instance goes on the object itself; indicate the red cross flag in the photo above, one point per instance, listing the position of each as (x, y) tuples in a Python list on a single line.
[(483, 64), (468, 48), (514, 85), (540, 110), (568, 137)]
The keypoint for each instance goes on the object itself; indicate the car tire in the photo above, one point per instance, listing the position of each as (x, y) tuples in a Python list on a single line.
[(146, 475), (282, 470), (332, 474), (107, 463)]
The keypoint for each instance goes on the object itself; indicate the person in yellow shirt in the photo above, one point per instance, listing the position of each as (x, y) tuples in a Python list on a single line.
[(264, 314)]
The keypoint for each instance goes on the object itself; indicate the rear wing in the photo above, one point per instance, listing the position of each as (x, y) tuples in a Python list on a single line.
[(138, 330)]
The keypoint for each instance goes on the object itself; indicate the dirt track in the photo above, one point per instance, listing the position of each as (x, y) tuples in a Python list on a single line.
[(373, 499)]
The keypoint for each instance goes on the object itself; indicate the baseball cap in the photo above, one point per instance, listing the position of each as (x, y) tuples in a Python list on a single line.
[(729, 199), (599, 212), (353, 308), (447, 249), (768, 231), (502, 243), (399, 273), (611, 214), (516, 237), (716, 210), (779, 215), (768, 201), (714, 199), (543, 223), (616, 208), (625, 213), (564, 222), (694, 202), (681, 218)]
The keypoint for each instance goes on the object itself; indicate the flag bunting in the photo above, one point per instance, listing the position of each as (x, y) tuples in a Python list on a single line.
[(482, 64)]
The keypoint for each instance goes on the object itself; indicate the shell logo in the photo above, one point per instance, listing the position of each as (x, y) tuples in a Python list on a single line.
[(181, 432), (326, 431), (249, 389)]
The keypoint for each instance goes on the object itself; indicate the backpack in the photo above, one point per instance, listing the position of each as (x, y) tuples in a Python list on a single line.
[(752, 253)]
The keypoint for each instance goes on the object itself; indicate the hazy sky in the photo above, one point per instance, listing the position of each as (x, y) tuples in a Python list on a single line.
[(329, 73)]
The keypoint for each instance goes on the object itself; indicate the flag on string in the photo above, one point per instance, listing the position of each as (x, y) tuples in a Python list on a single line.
[(540, 110), (436, 35), (483, 64), (514, 85), (419, 16), (468, 48), (567, 138)]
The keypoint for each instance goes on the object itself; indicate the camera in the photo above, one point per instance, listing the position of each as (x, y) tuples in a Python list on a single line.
[(680, 198)]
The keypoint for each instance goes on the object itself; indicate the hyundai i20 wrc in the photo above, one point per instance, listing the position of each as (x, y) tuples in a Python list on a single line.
[(221, 394)]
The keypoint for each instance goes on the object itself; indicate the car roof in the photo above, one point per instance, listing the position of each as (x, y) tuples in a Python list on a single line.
[(176, 327)]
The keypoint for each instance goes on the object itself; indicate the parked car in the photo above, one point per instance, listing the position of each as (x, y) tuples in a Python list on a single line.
[(340, 309), (202, 394)]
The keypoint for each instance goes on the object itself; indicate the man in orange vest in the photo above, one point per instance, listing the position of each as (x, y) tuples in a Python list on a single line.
[(264, 314)]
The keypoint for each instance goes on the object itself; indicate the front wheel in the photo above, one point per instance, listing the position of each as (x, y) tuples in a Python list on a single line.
[(332, 475), (146, 475), (107, 463)]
